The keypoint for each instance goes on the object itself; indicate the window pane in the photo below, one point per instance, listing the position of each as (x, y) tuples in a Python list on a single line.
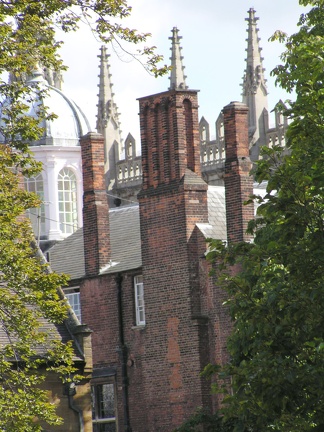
[(74, 301), (36, 215), (139, 300), (67, 201), (105, 427), (103, 401), (103, 407), (107, 408)]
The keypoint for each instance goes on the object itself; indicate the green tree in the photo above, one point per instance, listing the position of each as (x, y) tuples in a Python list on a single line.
[(28, 291), (276, 300)]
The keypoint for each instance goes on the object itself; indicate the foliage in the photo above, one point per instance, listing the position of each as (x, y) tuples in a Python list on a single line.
[(276, 300), (29, 292), (210, 423)]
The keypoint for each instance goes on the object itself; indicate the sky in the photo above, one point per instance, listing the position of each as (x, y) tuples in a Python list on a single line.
[(213, 46)]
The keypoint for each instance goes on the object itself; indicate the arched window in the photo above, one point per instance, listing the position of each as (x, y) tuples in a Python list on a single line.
[(36, 215), (67, 200)]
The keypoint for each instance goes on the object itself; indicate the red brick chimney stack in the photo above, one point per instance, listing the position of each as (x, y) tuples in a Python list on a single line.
[(172, 201), (169, 137), (238, 181), (95, 204)]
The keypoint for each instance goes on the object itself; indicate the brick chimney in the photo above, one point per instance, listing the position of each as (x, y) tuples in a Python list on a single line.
[(172, 201), (169, 137), (95, 204), (238, 181)]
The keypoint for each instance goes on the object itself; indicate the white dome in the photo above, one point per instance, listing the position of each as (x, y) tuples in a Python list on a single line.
[(70, 124)]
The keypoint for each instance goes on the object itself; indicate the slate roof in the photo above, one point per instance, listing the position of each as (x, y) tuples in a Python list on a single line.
[(216, 228), (68, 257), (125, 239), (216, 214), (55, 332), (62, 333)]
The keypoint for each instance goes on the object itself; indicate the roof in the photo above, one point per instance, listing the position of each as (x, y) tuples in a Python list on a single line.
[(54, 332), (125, 239), (216, 214), (70, 122), (68, 256), (62, 332)]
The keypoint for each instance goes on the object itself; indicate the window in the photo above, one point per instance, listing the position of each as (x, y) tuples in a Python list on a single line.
[(36, 215), (139, 300), (73, 296), (103, 407), (67, 201)]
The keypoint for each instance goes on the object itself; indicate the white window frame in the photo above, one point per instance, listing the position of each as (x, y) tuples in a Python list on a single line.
[(139, 300), (73, 297), (37, 215), (67, 201)]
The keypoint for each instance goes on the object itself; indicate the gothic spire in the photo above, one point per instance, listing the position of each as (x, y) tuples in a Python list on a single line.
[(108, 123), (106, 106), (177, 76), (254, 72), (254, 85)]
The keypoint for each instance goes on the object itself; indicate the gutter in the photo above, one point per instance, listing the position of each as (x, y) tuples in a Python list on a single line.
[(71, 391)]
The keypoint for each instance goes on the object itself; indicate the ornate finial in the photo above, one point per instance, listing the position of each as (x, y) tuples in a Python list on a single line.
[(254, 73), (54, 78), (177, 77), (254, 88), (108, 123), (36, 76), (107, 109)]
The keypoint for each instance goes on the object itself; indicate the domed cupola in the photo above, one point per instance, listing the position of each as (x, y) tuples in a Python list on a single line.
[(70, 124), (60, 183)]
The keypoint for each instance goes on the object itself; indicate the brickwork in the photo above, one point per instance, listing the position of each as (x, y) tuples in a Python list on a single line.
[(172, 201), (238, 182), (186, 322), (95, 204), (169, 136), (100, 311), (99, 306)]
